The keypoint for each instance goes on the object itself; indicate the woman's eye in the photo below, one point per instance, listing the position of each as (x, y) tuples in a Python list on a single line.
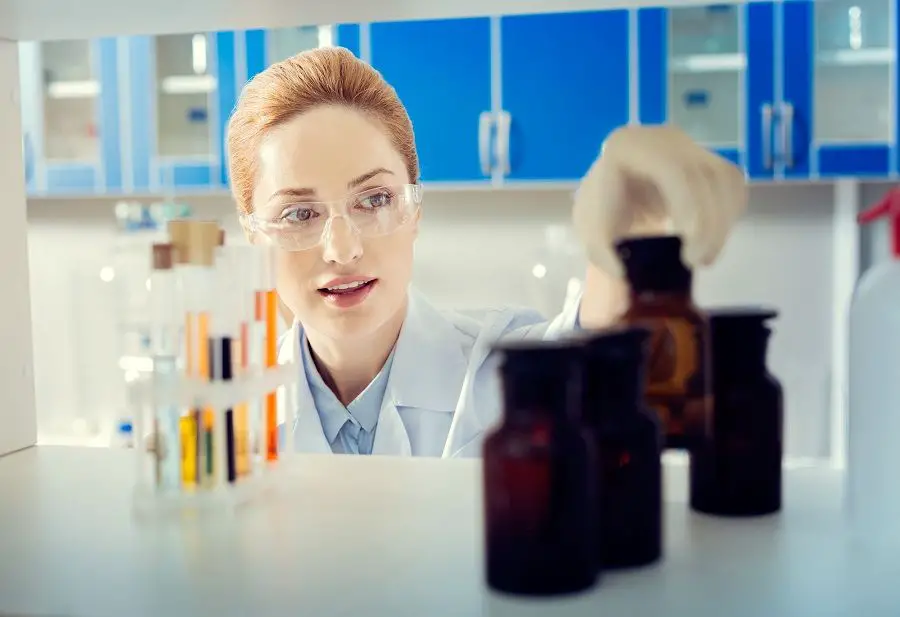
[(376, 200), (298, 215)]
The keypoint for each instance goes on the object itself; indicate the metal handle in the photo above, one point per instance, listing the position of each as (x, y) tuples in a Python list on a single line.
[(766, 112), (28, 151), (485, 120), (504, 121), (787, 133)]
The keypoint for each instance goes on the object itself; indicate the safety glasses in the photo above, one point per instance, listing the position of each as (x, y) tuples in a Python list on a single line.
[(373, 212)]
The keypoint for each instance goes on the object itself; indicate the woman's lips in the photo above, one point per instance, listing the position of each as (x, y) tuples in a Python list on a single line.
[(347, 294)]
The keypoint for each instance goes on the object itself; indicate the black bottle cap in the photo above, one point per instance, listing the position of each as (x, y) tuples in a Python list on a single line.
[(540, 377), (537, 356), (734, 322), (617, 345), (654, 264)]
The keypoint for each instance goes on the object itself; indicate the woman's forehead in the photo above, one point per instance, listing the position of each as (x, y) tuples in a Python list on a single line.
[(325, 150)]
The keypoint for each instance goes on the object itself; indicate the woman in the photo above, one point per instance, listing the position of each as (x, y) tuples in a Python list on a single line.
[(323, 165)]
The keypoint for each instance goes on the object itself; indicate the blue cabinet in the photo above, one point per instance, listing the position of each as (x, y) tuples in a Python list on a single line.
[(441, 70), (838, 111), (695, 72), (71, 116), (181, 90), (565, 87), (519, 98), (793, 89), (265, 47)]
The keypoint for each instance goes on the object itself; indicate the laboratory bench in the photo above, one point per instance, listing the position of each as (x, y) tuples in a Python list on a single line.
[(398, 537), (788, 89)]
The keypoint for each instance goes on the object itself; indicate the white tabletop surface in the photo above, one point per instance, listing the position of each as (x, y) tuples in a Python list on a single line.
[(368, 536)]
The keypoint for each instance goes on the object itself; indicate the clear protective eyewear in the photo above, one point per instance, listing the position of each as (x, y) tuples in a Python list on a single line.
[(304, 224)]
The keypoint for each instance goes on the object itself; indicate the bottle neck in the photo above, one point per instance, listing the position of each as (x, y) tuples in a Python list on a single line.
[(611, 390), (541, 398), (654, 296), (741, 357)]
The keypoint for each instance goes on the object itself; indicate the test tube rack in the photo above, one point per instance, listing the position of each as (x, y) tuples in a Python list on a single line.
[(151, 501)]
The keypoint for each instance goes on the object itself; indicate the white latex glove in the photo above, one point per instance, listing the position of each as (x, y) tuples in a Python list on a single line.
[(653, 180)]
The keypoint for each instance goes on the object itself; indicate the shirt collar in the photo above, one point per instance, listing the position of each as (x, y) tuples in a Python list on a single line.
[(364, 409)]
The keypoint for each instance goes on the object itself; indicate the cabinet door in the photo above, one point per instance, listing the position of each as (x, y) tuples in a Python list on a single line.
[(183, 87), (565, 87), (265, 47), (839, 114), (71, 116), (708, 70), (441, 70)]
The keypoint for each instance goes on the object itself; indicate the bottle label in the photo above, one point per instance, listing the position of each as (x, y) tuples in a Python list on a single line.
[(677, 380), (673, 356)]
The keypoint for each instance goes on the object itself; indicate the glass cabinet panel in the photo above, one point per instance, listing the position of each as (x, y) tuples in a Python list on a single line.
[(70, 95), (706, 67), (853, 67), (287, 42), (185, 86)]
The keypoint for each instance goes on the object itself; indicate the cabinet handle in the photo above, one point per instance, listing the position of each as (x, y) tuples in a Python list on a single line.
[(787, 133), (504, 121), (485, 120), (766, 112)]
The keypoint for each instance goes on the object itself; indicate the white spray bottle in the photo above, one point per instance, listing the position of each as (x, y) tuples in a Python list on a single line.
[(873, 453)]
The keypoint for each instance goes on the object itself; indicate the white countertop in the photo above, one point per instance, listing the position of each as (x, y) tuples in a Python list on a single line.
[(371, 537)]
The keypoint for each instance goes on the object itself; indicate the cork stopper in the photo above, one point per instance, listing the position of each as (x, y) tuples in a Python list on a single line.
[(203, 237), (179, 236), (163, 256)]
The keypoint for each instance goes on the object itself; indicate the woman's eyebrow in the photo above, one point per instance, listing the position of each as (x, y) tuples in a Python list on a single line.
[(368, 176), (292, 193)]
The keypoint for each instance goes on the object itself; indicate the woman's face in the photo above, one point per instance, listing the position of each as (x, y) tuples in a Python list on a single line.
[(327, 155)]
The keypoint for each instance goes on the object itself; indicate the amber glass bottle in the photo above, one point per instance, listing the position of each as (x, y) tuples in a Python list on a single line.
[(539, 506), (737, 471), (678, 373), (627, 444)]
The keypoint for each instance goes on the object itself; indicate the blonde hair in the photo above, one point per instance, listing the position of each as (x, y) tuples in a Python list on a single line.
[(327, 76)]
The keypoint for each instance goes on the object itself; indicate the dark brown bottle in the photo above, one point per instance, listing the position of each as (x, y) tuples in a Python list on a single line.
[(678, 373), (737, 471), (539, 506), (627, 443)]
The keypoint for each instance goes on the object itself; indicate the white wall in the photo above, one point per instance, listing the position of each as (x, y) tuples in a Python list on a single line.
[(476, 249)]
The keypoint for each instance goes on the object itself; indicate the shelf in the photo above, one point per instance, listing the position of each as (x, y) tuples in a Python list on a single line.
[(188, 84), (73, 89), (708, 63), (856, 57)]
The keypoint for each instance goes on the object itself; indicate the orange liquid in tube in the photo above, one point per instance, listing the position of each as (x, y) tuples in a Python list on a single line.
[(271, 318), (187, 423), (241, 421)]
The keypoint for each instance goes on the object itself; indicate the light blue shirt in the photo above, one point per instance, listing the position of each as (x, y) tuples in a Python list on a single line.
[(350, 429), (438, 395)]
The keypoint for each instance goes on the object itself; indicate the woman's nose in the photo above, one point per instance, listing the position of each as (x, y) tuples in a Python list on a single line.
[(341, 242)]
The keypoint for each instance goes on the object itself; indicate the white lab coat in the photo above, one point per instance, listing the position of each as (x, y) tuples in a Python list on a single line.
[(443, 363)]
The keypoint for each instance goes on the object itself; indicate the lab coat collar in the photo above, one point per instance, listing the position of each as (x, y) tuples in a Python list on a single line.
[(429, 364), (428, 370)]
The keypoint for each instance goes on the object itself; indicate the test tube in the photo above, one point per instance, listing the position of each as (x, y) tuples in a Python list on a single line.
[(204, 237), (242, 266), (270, 308), (164, 340), (195, 243), (180, 237), (224, 327), (264, 345)]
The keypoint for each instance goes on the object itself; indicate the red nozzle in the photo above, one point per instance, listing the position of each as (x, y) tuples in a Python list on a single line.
[(888, 207)]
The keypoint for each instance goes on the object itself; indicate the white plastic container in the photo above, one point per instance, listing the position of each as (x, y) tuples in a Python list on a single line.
[(873, 455)]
